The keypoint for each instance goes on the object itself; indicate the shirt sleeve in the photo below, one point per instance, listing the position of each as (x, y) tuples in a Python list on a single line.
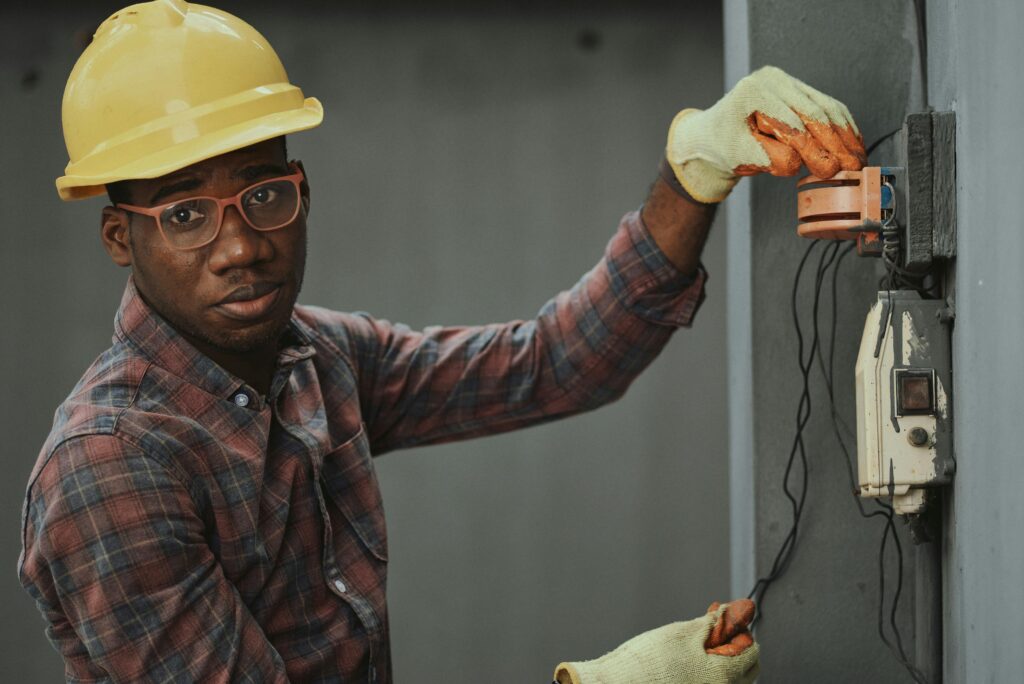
[(581, 351), (116, 559)]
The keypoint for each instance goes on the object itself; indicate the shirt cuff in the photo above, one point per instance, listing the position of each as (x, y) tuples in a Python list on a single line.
[(646, 282)]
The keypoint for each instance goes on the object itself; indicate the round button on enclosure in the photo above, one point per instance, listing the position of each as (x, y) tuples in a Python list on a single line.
[(918, 436)]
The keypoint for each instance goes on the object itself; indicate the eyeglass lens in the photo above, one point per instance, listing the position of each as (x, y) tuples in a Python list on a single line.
[(267, 206)]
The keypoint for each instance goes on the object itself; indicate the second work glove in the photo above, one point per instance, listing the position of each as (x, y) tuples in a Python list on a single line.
[(713, 649), (769, 122)]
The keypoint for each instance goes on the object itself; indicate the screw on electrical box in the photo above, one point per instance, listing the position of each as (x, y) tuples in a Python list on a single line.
[(918, 436)]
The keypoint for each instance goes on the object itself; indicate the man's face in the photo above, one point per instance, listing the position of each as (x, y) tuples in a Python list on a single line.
[(234, 295)]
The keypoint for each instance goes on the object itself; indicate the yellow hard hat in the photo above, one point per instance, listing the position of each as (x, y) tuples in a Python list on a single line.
[(166, 84)]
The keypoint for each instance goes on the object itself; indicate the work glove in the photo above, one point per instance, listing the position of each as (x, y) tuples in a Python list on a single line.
[(769, 122), (714, 649)]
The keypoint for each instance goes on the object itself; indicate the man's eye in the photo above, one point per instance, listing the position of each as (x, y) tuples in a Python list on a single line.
[(181, 216), (261, 196)]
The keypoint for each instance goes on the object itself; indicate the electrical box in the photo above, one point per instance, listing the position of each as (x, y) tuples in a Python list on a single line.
[(904, 421)]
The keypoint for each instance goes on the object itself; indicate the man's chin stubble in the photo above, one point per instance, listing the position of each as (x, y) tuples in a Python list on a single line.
[(264, 337), (248, 341)]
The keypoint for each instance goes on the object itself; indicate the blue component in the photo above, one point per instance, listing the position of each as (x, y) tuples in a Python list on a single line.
[(886, 197), (893, 172)]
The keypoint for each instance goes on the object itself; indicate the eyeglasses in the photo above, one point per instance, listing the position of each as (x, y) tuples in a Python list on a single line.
[(195, 222)]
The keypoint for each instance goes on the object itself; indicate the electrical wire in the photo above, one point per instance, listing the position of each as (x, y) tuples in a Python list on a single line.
[(803, 414), (897, 649), (830, 259), (921, 30), (873, 146), (922, 47), (784, 553), (886, 511), (896, 277)]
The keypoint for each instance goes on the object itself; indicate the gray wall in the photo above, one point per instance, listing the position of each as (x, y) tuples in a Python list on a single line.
[(471, 164), (975, 56), (820, 616)]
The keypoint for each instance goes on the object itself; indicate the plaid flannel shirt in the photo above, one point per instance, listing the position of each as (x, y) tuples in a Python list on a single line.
[(178, 526)]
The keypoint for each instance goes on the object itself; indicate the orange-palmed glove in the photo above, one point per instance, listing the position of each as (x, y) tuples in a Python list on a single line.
[(714, 649), (769, 122)]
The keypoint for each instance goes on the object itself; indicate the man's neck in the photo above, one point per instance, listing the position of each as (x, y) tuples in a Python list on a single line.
[(255, 367)]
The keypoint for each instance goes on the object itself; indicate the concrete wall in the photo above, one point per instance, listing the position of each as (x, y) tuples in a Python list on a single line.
[(471, 164), (974, 59), (820, 616)]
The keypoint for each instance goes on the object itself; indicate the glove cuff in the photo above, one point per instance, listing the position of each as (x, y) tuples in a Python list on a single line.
[(566, 673), (668, 175), (702, 180)]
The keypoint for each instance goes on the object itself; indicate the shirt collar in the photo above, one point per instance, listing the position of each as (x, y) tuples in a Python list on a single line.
[(141, 327)]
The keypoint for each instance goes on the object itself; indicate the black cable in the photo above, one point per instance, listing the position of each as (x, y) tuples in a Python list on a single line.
[(895, 276), (897, 650), (762, 584), (922, 47), (836, 419), (798, 448), (830, 258), (873, 146), (887, 511)]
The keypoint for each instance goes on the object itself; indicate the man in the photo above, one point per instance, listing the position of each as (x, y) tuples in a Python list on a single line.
[(205, 507)]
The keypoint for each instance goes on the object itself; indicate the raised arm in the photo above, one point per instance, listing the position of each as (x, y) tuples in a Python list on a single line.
[(582, 350), (678, 223), (586, 345)]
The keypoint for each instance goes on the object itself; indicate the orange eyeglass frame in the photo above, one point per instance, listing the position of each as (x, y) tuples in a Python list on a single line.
[(222, 203)]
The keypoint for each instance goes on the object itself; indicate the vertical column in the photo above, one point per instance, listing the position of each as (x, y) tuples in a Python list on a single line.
[(974, 57), (821, 615), (738, 334)]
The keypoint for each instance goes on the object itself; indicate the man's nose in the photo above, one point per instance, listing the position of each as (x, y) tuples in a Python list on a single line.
[(238, 245)]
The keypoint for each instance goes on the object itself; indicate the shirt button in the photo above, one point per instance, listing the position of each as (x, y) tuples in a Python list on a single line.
[(340, 586), (241, 399)]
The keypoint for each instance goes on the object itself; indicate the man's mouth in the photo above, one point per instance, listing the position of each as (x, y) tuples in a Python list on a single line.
[(250, 302)]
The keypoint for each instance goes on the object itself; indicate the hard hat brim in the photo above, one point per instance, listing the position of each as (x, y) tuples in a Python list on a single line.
[(180, 155)]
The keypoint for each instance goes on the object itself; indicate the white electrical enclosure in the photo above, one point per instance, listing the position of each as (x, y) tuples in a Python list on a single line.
[(904, 440)]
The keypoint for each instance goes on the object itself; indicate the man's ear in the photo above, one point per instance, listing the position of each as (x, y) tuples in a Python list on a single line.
[(303, 186), (114, 233)]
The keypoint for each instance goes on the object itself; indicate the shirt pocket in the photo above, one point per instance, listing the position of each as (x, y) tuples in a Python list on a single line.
[(350, 482)]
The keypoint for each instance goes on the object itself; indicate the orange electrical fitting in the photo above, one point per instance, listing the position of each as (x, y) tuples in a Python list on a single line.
[(847, 206)]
